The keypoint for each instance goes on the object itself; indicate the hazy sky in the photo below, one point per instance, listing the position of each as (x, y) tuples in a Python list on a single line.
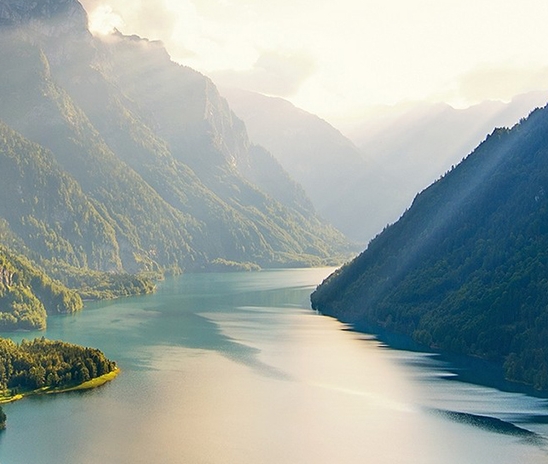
[(340, 58)]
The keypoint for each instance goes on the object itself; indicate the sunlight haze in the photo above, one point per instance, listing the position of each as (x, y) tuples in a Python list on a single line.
[(341, 59), (260, 232)]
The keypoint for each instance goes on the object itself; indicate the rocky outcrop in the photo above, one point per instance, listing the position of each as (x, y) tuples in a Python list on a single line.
[(6, 277)]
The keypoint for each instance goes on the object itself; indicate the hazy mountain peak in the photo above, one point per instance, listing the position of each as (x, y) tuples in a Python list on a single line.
[(49, 17)]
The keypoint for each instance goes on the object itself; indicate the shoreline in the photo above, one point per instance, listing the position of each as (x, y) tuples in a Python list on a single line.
[(88, 385), (467, 368)]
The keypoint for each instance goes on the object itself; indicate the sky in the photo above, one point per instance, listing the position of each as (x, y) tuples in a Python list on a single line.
[(343, 59)]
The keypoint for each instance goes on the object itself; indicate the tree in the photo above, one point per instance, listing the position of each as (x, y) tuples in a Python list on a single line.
[(2, 419)]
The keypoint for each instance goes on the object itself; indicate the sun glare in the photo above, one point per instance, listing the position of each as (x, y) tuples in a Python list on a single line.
[(103, 20)]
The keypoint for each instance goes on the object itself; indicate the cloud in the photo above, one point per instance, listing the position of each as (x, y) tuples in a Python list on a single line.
[(153, 20), (274, 73), (174, 22), (336, 58), (103, 20)]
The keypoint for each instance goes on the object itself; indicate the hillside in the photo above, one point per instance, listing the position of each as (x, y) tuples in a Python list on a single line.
[(465, 268), (124, 161), (411, 148), (27, 295)]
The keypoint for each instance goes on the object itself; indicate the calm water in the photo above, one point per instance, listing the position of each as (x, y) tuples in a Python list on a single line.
[(234, 368)]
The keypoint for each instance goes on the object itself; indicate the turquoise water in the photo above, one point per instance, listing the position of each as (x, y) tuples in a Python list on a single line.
[(235, 368)]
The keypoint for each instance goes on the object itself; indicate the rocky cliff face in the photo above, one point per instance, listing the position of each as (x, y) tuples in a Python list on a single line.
[(184, 105), (6, 277)]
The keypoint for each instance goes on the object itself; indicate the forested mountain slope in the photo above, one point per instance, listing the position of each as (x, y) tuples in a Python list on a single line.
[(466, 267), (135, 163), (47, 209), (27, 295)]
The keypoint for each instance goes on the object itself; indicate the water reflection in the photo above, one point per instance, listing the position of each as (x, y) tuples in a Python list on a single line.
[(236, 369)]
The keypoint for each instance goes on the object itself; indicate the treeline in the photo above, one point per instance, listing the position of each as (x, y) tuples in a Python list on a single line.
[(97, 285), (40, 363), (465, 269)]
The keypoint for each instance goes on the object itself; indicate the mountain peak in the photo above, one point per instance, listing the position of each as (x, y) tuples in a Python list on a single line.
[(50, 17)]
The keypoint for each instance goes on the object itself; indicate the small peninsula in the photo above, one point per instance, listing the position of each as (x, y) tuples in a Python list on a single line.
[(43, 366)]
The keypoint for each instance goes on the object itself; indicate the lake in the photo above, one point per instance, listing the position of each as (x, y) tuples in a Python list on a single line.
[(235, 368)]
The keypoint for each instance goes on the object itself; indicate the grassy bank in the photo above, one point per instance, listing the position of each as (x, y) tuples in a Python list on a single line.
[(5, 397)]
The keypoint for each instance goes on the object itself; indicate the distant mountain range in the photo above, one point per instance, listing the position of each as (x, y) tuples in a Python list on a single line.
[(413, 148), (333, 172), (465, 269), (367, 183)]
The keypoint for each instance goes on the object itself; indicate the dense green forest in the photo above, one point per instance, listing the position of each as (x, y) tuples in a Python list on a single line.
[(40, 363), (465, 269), (28, 295)]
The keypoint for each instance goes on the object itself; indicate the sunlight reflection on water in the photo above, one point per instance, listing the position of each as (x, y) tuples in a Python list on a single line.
[(236, 369)]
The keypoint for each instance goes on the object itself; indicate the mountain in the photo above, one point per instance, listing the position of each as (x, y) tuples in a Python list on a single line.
[(465, 268), (119, 160), (47, 209), (364, 184), (461, 129), (307, 146), (327, 164)]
